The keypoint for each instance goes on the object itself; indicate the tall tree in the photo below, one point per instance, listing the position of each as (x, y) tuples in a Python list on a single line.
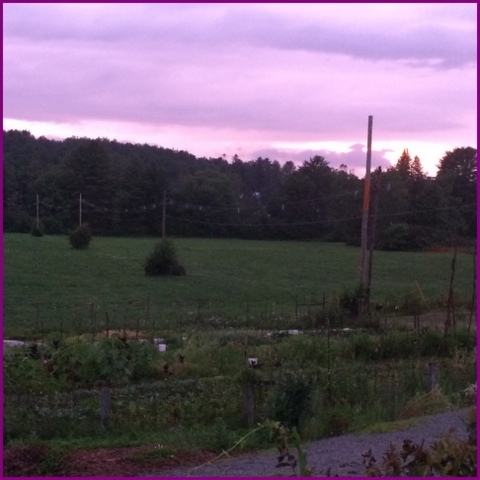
[(457, 175), (403, 165)]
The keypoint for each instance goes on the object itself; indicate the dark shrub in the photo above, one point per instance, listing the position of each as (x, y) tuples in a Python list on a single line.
[(163, 260), (37, 231), (350, 300), (399, 237), (80, 237), (290, 399)]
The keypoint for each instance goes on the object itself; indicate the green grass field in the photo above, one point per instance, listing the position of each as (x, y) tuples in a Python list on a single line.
[(47, 284)]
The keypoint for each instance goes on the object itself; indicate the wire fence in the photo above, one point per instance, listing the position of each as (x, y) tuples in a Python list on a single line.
[(381, 389), (148, 317)]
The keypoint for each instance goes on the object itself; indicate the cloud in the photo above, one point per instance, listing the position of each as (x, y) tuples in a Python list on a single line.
[(277, 72), (371, 32), (354, 158)]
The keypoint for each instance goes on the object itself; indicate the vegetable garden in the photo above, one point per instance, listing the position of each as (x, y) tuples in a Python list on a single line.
[(203, 380)]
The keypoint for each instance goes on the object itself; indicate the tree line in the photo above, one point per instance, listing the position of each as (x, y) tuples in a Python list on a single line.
[(139, 189)]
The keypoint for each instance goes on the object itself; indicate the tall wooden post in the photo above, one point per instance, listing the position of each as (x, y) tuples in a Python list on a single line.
[(371, 235), (364, 262)]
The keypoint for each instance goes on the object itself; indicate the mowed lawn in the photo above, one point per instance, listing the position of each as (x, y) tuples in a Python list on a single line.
[(47, 282)]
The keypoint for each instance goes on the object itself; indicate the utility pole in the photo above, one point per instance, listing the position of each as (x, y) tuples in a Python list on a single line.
[(364, 261), (164, 208), (371, 232)]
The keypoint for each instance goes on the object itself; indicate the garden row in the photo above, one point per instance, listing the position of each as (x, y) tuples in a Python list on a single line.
[(319, 401), (203, 383), (80, 362)]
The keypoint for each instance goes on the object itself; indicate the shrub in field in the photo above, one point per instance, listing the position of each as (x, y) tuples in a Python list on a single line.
[(398, 237), (37, 231), (163, 260), (290, 399), (81, 237)]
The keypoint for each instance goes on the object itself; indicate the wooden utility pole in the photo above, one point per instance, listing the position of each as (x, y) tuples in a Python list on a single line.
[(164, 209), (364, 260), (371, 233)]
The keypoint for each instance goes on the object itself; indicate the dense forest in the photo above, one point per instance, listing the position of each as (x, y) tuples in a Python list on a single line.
[(125, 189)]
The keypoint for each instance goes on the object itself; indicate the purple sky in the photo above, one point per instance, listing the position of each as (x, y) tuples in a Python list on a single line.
[(286, 81)]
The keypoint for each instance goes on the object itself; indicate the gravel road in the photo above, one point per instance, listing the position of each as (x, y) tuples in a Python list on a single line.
[(343, 454)]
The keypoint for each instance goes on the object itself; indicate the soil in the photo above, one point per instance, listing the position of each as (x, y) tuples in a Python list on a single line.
[(33, 461), (343, 453)]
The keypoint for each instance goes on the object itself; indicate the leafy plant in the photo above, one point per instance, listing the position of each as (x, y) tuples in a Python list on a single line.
[(284, 436), (434, 401), (110, 360), (350, 300), (81, 237), (449, 456), (290, 399), (163, 260)]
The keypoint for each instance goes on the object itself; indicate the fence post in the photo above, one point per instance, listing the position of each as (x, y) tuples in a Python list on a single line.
[(105, 394), (107, 324), (432, 374), (249, 398)]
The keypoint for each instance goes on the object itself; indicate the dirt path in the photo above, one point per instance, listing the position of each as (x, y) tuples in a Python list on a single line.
[(343, 454)]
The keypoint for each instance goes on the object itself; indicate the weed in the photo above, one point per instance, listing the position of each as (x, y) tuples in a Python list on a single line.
[(434, 401), (284, 437), (53, 462), (448, 456)]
